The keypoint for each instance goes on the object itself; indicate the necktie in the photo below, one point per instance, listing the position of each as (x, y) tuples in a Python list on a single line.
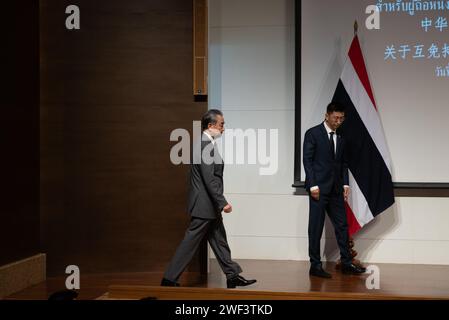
[(332, 143)]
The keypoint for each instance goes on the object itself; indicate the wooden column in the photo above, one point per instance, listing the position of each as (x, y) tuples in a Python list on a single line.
[(200, 44)]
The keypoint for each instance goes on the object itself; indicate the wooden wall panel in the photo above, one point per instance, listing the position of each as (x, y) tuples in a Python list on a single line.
[(111, 93)]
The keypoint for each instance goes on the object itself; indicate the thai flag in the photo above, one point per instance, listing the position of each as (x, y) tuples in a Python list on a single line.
[(369, 160)]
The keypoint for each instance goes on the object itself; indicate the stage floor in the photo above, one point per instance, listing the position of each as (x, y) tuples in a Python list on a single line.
[(396, 280), (293, 276)]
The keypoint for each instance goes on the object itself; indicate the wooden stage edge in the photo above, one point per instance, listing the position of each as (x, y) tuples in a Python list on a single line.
[(276, 280), (123, 292)]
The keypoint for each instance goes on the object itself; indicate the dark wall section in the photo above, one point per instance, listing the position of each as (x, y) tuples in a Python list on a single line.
[(111, 93), (19, 133)]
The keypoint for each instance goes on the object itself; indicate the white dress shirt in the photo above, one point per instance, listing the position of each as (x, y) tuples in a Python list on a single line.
[(329, 130), (209, 136)]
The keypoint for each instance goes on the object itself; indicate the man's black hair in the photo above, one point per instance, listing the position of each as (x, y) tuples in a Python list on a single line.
[(335, 107), (210, 117)]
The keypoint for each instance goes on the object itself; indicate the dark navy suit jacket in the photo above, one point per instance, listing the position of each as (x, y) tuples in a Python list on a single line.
[(321, 168)]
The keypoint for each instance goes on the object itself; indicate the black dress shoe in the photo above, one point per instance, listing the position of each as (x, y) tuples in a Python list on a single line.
[(319, 272), (239, 281), (352, 269), (168, 283)]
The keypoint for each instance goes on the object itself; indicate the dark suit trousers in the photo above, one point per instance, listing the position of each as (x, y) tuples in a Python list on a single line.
[(215, 232), (333, 203)]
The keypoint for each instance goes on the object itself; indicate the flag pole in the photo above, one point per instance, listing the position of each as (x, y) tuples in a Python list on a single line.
[(351, 239), (351, 244)]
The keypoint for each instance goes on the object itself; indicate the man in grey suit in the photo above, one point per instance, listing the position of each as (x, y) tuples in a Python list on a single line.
[(205, 204)]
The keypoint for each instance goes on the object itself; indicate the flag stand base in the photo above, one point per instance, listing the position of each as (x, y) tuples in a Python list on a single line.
[(353, 254)]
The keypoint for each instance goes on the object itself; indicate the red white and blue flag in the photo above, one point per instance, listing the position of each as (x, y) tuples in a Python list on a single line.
[(369, 160)]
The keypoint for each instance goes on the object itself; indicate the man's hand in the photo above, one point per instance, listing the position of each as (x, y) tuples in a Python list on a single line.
[(346, 192), (227, 208), (315, 194)]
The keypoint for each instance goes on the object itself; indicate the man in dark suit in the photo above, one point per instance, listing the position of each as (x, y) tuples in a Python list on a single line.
[(205, 204), (328, 186)]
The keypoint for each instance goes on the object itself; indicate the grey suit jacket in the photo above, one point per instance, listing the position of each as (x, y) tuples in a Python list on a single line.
[(206, 198)]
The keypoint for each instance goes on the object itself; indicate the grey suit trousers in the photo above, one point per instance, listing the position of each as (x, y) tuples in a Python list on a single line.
[(215, 232)]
